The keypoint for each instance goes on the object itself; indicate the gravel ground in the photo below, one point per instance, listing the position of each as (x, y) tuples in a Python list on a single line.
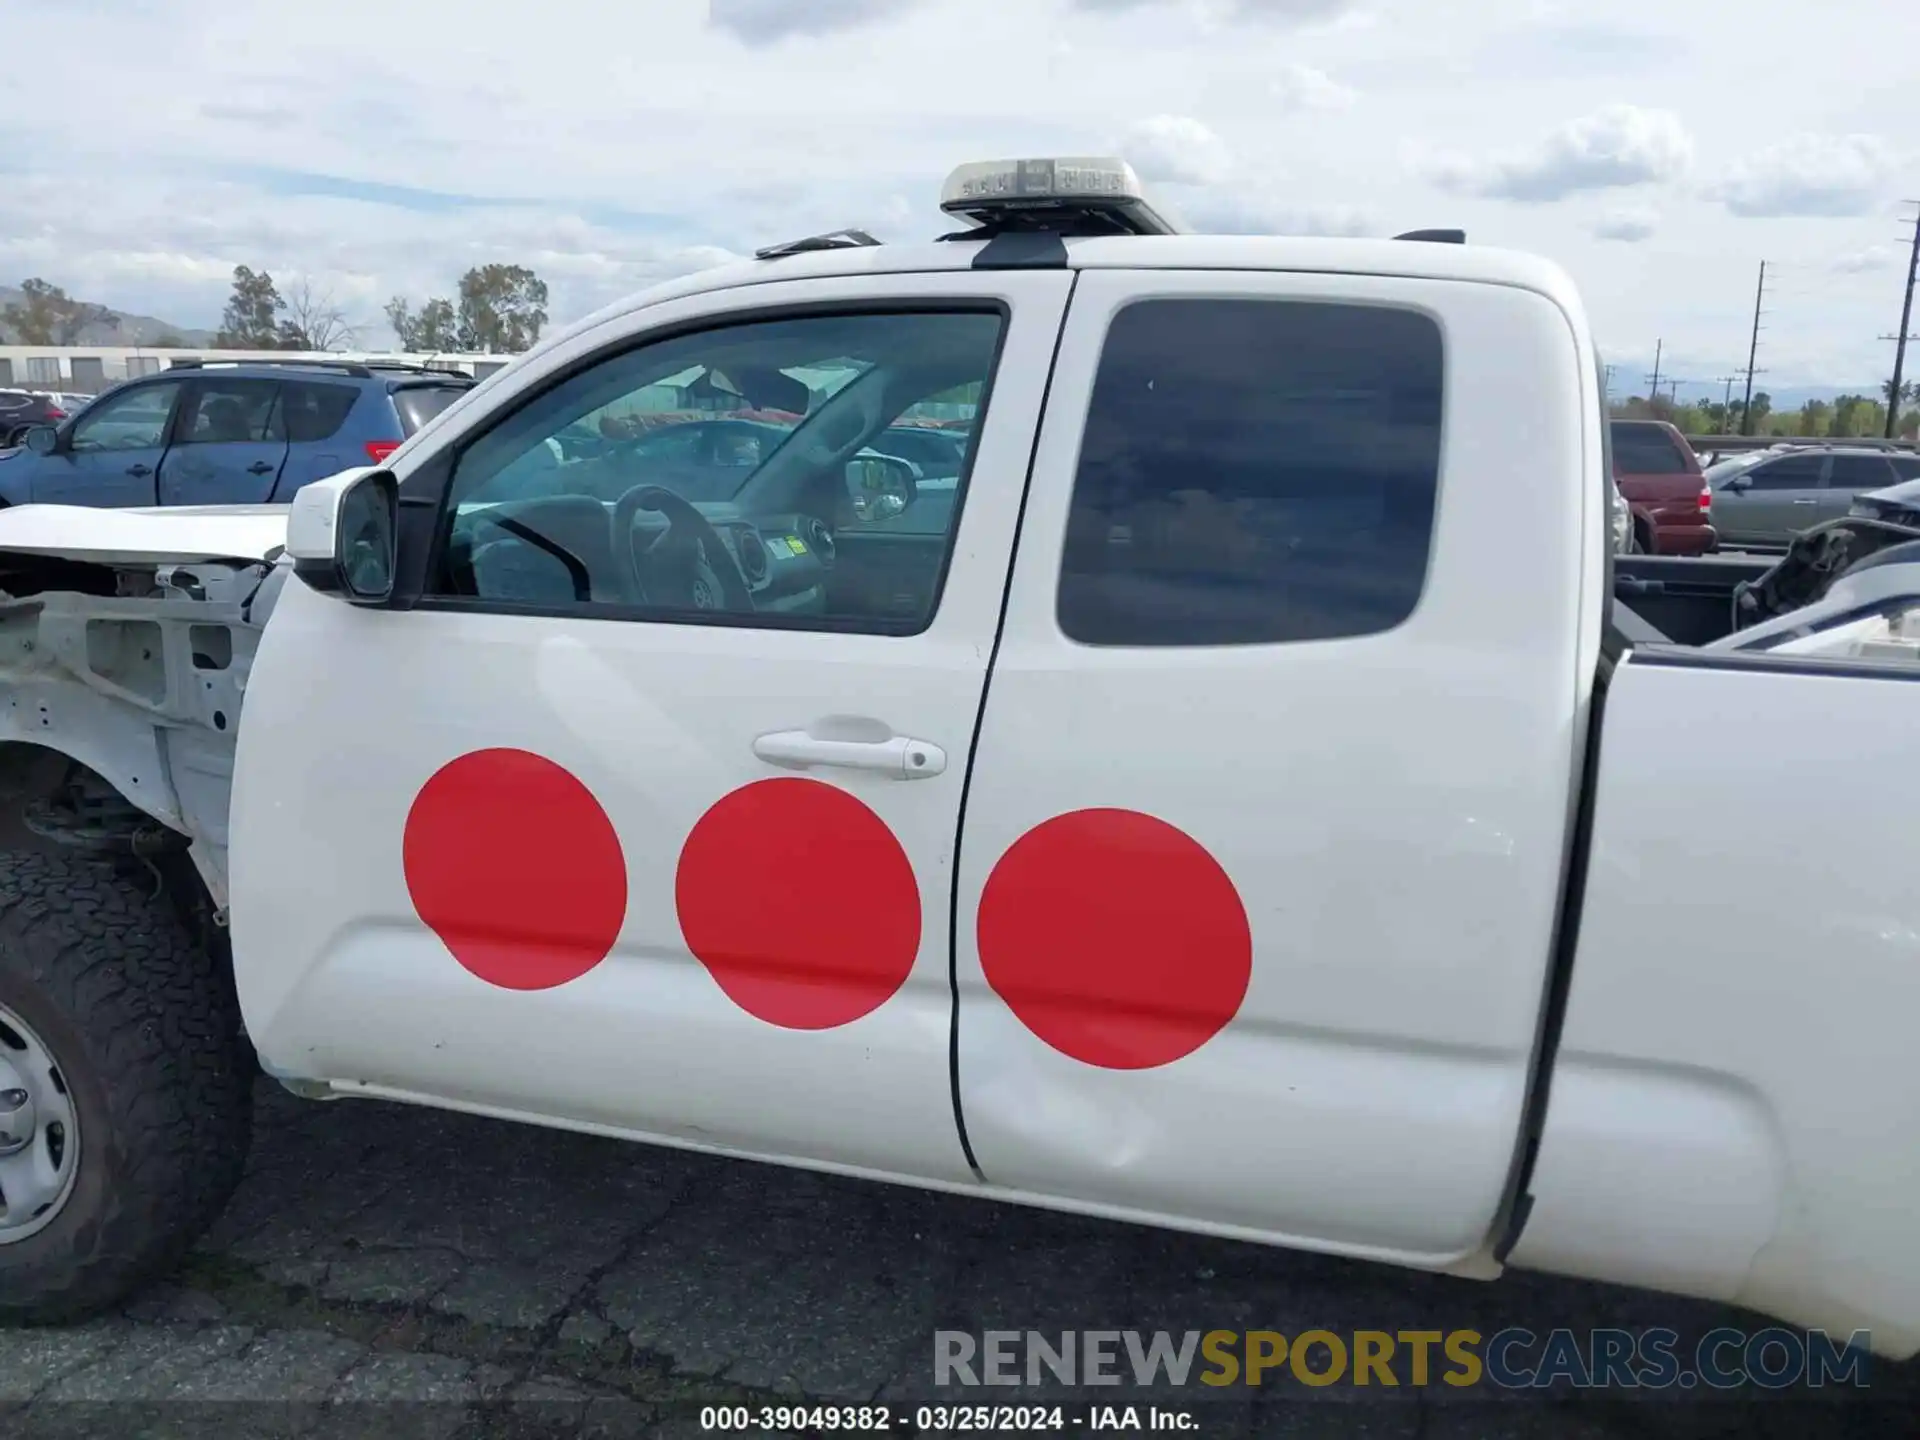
[(392, 1271)]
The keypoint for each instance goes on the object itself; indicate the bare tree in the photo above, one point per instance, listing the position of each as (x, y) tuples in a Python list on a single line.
[(314, 321)]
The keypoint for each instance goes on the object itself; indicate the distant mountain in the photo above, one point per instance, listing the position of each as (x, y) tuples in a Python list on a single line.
[(131, 329)]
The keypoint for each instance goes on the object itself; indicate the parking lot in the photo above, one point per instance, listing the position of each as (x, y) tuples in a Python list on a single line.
[(439, 1275)]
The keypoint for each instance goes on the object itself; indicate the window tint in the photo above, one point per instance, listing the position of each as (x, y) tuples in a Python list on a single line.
[(229, 412), (734, 471), (127, 420), (1859, 472), (315, 412), (1907, 467), (1645, 450), (1795, 472), (1254, 472), (417, 404)]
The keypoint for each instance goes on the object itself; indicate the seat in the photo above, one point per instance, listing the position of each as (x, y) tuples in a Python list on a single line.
[(223, 421)]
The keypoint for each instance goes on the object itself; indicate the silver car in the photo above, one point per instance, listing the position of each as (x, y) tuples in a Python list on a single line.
[(1763, 499)]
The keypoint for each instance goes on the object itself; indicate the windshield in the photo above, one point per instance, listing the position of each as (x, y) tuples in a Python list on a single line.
[(1646, 450), (417, 404), (1721, 469)]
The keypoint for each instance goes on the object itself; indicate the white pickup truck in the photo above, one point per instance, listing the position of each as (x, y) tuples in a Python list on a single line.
[(1242, 803)]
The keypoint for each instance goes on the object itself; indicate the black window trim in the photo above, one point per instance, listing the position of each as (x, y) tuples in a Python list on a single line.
[(435, 478), (1411, 307)]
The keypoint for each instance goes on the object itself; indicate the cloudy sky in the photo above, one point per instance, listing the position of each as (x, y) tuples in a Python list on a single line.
[(1659, 149)]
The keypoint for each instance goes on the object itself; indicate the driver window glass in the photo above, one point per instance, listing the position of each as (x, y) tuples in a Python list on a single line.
[(134, 420), (806, 472)]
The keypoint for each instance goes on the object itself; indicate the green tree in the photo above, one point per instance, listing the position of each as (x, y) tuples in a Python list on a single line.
[(1761, 409), (502, 309), (1815, 418), (251, 320), (1856, 415), (430, 331), (47, 315), (167, 340)]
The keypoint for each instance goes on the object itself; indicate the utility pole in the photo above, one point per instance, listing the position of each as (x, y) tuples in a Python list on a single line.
[(1753, 350), (1900, 336), (1653, 380), (1726, 403)]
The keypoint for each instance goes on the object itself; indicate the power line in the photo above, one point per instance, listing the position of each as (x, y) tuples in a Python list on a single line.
[(1900, 336), (1753, 350)]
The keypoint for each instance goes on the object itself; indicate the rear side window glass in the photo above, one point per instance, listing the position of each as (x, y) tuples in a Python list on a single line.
[(418, 404), (316, 412), (1907, 467), (1646, 450), (1859, 472), (1254, 472)]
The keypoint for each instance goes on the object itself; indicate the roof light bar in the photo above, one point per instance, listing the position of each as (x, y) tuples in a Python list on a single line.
[(1072, 195)]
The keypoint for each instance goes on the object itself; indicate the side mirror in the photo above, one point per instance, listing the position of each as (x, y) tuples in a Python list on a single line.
[(881, 486), (343, 535), (42, 439)]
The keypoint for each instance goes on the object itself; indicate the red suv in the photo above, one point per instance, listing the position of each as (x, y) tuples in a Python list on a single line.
[(1659, 475)]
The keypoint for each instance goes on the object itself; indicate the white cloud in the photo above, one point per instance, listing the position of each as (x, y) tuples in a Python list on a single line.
[(1809, 175), (1176, 150), (1224, 212), (1613, 148), (767, 22), (1873, 257), (1301, 87), (649, 139), (1281, 12), (1629, 225)]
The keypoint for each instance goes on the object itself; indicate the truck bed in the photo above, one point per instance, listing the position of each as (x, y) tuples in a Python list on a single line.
[(1687, 598)]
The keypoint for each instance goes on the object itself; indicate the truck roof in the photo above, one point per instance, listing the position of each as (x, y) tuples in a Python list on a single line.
[(1403, 259)]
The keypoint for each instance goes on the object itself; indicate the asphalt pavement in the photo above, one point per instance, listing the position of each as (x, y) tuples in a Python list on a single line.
[(386, 1270)]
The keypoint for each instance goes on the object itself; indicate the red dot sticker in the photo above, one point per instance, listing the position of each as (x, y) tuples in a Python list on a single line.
[(514, 865), (1115, 938), (800, 902)]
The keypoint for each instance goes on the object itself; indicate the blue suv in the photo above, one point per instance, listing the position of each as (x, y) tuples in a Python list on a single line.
[(226, 433)]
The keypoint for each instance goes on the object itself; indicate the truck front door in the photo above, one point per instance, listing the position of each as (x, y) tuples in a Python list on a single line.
[(1265, 836), (643, 816)]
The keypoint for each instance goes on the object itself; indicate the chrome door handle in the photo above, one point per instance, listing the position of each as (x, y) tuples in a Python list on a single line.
[(1806, 502), (899, 758)]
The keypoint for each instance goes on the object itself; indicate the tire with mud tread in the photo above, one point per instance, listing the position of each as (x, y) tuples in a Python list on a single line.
[(145, 1030)]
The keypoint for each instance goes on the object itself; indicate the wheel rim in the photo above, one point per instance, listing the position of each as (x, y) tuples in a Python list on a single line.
[(39, 1133)]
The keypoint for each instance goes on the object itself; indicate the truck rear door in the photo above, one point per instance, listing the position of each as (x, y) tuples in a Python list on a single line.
[(1265, 832)]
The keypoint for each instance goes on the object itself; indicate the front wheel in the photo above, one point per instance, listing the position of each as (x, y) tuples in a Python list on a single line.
[(125, 1096)]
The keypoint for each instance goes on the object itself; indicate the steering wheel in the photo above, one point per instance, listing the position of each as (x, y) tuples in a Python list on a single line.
[(691, 555)]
